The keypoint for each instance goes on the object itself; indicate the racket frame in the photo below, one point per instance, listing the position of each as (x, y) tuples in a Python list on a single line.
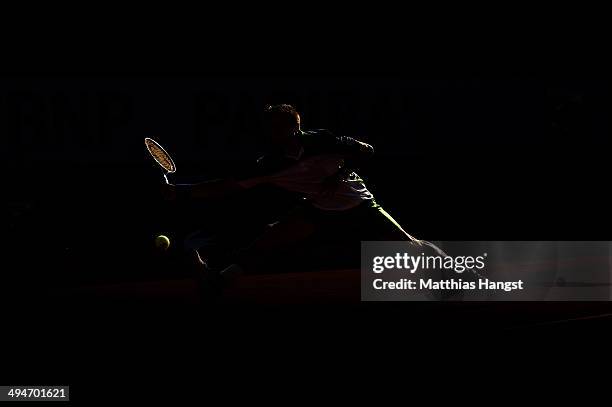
[(148, 142)]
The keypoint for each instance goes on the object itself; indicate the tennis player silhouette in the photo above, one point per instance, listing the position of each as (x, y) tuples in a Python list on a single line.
[(318, 168)]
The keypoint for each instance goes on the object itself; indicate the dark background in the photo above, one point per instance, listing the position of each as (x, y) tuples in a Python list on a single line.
[(514, 110), (458, 159), (497, 158)]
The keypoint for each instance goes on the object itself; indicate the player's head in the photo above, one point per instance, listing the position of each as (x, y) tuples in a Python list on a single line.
[(281, 122)]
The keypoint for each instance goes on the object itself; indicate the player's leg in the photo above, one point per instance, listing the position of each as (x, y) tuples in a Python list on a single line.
[(385, 227), (281, 237), (368, 221), (217, 265), (208, 253), (345, 230)]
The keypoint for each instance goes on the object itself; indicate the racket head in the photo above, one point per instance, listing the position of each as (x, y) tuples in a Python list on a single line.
[(160, 155)]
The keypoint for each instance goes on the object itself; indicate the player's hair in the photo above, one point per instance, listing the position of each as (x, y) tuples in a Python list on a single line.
[(285, 113)]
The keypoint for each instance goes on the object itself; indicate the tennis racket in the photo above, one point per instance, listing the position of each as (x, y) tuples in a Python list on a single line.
[(160, 156)]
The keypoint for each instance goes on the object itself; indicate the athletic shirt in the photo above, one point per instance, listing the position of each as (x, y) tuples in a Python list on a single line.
[(321, 155)]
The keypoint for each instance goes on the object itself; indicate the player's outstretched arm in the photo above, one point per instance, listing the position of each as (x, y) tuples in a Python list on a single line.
[(204, 190), (214, 189)]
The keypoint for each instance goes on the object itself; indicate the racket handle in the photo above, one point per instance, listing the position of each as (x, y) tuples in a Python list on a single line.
[(166, 178)]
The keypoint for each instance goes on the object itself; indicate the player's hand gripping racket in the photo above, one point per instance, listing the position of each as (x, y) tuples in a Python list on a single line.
[(161, 156)]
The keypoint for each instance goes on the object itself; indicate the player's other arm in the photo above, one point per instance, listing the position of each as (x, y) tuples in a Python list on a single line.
[(355, 152)]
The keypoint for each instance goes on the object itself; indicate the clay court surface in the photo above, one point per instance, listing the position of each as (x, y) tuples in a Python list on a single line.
[(339, 291)]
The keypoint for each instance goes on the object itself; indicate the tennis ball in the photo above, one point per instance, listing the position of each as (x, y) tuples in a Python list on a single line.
[(162, 242)]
